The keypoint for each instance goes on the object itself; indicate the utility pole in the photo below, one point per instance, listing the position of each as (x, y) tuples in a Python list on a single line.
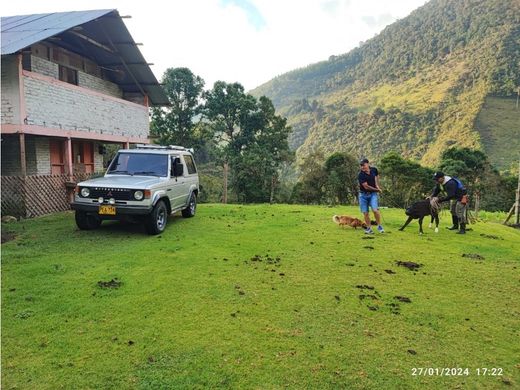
[(516, 207)]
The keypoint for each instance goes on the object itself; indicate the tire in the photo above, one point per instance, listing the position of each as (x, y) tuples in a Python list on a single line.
[(189, 211), (155, 222), (86, 221)]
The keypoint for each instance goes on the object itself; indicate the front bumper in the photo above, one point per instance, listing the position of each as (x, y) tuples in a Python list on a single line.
[(120, 209)]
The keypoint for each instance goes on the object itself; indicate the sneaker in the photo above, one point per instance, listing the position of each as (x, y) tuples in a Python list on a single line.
[(380, 229), (369, 231)]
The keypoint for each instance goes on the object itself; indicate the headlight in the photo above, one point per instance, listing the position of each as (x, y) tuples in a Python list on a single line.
[(85, 192), (138, 195)]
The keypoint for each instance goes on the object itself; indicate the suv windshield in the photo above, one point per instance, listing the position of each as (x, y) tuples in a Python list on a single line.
[(139, 164)]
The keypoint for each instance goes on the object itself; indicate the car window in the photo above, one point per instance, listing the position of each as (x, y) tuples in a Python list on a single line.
[(190, 164), (142, 164)]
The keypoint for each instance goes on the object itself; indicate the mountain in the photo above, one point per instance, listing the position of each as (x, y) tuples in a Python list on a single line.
[(446, 75)]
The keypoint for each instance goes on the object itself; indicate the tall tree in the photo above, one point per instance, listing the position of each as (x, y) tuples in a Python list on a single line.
[(228, 108), (175, 124), (264, 148), (342, 170), (313, 180)]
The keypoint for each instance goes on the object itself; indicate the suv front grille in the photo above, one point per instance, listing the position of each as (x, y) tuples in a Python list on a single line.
[(107, 193)]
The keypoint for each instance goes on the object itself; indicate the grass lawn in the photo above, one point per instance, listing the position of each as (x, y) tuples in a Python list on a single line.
[(259, 297)]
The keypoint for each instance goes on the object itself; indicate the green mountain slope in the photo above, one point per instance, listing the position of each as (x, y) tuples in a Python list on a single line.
[(418, 87)]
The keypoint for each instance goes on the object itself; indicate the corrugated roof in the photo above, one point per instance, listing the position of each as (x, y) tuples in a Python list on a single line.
[(99, 35)]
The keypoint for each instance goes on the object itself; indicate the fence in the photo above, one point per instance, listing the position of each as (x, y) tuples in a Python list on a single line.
[(31, 196)]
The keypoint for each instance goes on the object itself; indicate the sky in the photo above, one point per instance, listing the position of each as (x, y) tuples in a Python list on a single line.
[(245, 41)]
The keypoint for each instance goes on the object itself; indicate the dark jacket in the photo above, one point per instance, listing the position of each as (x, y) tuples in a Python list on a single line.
[(452, 189)]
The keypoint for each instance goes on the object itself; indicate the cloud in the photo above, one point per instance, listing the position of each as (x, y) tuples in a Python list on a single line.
[(253, 15)]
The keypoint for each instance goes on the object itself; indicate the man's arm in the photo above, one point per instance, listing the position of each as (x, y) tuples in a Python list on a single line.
[(367, 186), (436, 191), (377, 183)]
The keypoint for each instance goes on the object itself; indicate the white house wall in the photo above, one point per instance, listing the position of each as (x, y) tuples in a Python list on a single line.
[(60, 105)]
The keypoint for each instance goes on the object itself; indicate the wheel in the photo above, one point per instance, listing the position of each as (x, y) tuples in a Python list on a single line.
[(86, 221), (189, 211), (155, 222)]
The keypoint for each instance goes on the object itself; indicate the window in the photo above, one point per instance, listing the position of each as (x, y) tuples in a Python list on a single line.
[(139, 164), (190, 164), (68, 75)]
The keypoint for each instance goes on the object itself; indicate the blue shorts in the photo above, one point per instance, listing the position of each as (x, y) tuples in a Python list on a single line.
[(368, 199)]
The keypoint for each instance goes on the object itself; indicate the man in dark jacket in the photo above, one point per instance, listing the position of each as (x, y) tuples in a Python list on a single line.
[(456, 193)]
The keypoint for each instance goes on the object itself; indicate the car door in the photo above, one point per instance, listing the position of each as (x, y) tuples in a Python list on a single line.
[(176, 188)]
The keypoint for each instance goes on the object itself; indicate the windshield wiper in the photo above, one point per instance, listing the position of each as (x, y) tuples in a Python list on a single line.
[(153, 173), (124, 172)]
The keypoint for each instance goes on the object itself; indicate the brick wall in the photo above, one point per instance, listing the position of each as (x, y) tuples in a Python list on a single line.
[(51, 69), (88, 81), (45, 67), (58, 105), (98, 159), (43, 155), (10, 90)]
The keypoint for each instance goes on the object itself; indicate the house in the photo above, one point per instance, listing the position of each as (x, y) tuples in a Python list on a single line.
[(71, 83)]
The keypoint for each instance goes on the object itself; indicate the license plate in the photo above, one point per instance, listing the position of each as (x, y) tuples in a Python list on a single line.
[(107, 210)]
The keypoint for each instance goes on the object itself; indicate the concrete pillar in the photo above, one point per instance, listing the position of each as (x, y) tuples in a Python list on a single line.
[(69, 159), (23, 161)]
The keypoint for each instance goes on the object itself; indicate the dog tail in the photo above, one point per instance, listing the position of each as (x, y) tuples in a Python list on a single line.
[(335, 219)]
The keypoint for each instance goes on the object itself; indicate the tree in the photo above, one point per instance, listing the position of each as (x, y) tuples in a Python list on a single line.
[(257, 165), (342, 185), (313, 179), (228, 108), (175, 124), (404, 181)]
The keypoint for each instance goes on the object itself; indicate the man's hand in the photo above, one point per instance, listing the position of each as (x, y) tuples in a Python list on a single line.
[(379, 189)]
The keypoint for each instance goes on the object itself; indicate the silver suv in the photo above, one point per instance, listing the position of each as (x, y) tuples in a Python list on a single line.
[(145, 184)]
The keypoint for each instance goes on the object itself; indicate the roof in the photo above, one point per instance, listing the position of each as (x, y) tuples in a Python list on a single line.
[(99, 35)]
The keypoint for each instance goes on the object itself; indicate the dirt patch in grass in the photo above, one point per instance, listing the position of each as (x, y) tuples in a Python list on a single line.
[(474, 256), (389, 271), (7, 236), (403, 299), (490, 236), (364, 287), (367, 296), (114, 283), (409, 264)]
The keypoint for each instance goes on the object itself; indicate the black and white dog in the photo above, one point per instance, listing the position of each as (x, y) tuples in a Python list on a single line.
[(421, 209)]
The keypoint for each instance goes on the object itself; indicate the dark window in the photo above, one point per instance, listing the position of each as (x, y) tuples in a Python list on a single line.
[(68, 75), (190, 164)]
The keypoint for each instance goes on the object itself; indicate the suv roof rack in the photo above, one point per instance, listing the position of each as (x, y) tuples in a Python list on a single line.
[(164, 147)]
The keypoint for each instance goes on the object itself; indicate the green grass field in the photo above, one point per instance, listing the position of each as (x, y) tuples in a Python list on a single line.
[(259, 297)]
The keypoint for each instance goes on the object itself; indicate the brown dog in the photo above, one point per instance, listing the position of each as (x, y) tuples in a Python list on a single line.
[(345, 220)]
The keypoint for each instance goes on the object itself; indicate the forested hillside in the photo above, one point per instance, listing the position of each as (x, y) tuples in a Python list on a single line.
[(418, 87)]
